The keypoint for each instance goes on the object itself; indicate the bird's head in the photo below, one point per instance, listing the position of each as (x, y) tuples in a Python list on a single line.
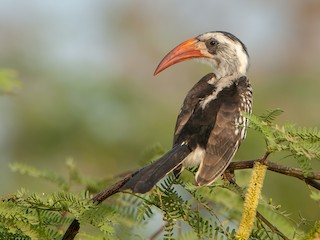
[(222, 50)]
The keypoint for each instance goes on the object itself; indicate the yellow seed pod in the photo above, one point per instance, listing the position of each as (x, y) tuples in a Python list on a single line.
[(251, 201)]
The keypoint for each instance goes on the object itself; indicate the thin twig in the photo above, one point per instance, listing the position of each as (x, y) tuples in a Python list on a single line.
[(309, 179), (271, 226), (74, 227)]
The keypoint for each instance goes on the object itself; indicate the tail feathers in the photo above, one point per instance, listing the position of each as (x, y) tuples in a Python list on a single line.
[(148, 176)]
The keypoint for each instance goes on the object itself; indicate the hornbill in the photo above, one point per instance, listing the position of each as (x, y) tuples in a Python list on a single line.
[(210, 125)]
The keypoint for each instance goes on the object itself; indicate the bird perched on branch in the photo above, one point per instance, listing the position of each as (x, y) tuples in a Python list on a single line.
[(210, 126)]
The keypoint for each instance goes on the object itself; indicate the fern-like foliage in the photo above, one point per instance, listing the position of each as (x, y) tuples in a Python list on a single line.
[(187, 211), (182, 209), (302, 143), (40, 174), (36, 216), (314, 233), (28, 215)]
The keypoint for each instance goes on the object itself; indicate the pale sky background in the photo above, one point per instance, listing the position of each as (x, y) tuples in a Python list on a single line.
[(77, 33)]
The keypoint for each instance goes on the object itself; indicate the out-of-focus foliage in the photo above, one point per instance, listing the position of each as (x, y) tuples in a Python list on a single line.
[(314, 233), (187, 211), (8, 81)]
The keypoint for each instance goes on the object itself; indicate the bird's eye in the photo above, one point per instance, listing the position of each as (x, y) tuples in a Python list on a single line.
[(212, 45), (212, 42)]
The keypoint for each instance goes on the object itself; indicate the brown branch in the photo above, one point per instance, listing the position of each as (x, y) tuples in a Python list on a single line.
[(74, 227), (310, 179), (259, 216), (271, 226), (113, 189)]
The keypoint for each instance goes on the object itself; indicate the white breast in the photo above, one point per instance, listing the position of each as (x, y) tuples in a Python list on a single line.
[(195, 157)]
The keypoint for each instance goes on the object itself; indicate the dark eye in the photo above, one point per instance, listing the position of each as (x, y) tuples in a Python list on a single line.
[(212, 42), (212, 45)]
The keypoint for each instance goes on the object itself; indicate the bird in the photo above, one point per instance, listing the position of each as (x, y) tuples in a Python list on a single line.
[(210, 125)]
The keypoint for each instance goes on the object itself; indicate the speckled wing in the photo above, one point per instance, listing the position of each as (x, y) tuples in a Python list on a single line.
[(221, 147), (228, 132)]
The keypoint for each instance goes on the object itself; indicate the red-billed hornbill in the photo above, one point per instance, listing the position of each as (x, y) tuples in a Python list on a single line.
[(210, 126)]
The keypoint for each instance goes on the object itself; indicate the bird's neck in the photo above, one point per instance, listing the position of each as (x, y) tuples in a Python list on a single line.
[(224, 81), (225, 78), (219, 84), (231, 67)]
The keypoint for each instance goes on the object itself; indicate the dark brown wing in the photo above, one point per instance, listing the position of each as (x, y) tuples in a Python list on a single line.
[(221, 147), (199, 91), (228, 131), (188, 128)]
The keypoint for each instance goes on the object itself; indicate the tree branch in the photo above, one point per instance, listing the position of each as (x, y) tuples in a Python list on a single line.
[(271, 226), (74, 227), (310, 178)]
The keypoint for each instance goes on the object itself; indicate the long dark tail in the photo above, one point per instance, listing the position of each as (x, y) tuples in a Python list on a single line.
[(148, 176)]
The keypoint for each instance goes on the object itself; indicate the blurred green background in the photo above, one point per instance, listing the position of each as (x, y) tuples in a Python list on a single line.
[(89, 93)]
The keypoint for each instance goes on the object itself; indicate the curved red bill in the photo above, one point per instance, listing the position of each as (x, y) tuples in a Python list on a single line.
[(184, 51)]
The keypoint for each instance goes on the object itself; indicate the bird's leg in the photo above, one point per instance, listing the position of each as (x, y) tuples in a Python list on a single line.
[(228, 176)]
